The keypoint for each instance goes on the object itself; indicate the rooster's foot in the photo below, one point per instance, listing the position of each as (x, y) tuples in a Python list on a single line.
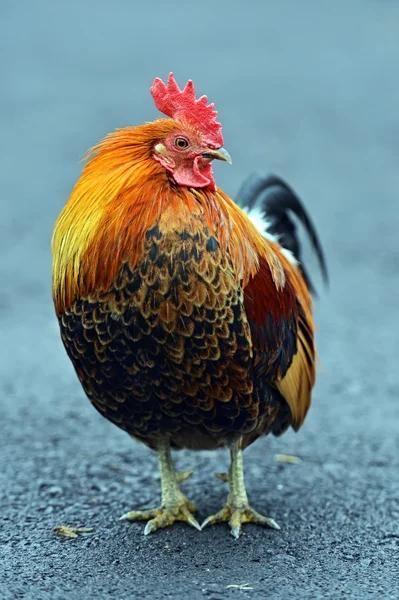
[(237, 510), (175, 505), (158, 518), (236, 516)]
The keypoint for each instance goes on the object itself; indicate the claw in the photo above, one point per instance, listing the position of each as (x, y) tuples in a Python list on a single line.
[(272, 524), (206, 522), (149, 528), (236, 532), (124, 517), (191, 520)]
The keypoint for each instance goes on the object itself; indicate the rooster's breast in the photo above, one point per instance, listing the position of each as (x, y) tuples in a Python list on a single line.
[(167, 351)]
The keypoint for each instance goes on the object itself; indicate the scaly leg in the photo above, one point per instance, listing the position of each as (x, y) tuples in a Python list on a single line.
[(174, 505), (237, 510)]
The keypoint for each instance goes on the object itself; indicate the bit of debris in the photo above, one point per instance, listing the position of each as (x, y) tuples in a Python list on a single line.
[(287, 458), (240, 586), (223, 477), (71, 532)]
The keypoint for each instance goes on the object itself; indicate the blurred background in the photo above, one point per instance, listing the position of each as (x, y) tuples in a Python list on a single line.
[(306, 90)]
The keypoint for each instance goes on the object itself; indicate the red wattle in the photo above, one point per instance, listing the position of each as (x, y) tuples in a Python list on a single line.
[(191, 175)]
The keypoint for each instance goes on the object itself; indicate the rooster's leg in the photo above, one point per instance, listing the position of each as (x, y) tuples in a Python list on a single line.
[(174, 506), (237, 510)]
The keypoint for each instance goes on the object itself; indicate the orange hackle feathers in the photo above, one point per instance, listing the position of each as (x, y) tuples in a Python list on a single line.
[(108, 212)]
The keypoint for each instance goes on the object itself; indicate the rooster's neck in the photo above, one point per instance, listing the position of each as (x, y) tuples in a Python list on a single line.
[(110, 211)]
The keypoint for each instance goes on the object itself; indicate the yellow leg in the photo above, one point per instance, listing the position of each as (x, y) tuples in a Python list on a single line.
[(237, 509), (174, 504)]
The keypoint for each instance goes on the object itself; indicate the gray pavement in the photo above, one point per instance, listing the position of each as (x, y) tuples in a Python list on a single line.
[(309, 91)]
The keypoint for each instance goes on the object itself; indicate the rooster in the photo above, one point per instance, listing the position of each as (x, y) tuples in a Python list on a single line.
[(188, 321)]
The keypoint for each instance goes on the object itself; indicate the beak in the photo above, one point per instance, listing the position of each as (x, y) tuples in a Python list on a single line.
[(220, 154)]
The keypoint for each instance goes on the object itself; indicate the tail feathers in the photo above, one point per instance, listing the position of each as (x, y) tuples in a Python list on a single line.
[(268, 201)]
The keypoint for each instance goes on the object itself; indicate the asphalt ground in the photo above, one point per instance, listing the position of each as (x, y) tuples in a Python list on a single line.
[(309, 91)]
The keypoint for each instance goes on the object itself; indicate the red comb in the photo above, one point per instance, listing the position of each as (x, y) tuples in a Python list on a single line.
[(178, 104)]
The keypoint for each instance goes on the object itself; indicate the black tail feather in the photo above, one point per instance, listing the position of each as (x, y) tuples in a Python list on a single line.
[(277, 200)]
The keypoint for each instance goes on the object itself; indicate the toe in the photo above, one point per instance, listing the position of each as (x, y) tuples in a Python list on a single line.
[(189, 518), (236, 522), (251, 516), (183, 475), (221, 517), (140, 515)]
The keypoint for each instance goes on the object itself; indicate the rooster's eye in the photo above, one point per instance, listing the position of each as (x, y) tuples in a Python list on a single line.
[(181, 143)]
